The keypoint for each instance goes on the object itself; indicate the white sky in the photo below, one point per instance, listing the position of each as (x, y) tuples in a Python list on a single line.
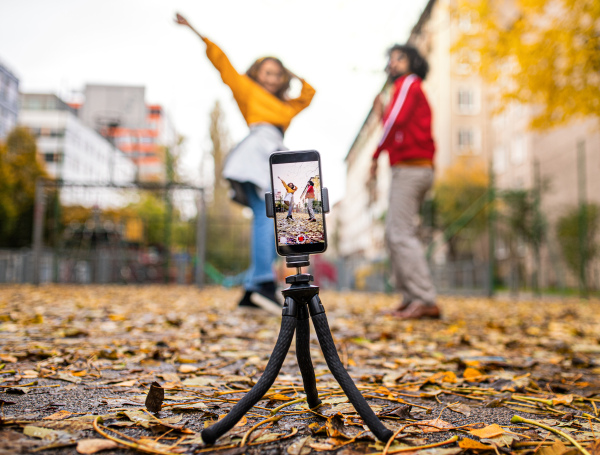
[(338, 46), (296, 173)]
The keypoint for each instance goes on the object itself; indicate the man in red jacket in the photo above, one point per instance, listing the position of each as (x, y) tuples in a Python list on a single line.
[(408, 141)]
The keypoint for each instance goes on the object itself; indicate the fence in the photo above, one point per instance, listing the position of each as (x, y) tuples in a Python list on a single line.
[(138, 233)]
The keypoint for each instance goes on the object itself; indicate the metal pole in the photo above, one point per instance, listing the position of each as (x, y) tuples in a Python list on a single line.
[(582, 193), (200, 239), (491, 233), (38, 229), (537, 231)]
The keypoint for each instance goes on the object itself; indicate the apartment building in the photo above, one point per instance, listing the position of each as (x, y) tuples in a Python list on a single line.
[(72, 151), (140, 130), (9, 100)]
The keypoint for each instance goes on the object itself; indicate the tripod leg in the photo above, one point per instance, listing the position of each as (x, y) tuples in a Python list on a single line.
[(214, 432), (304, 360), (341, 375)]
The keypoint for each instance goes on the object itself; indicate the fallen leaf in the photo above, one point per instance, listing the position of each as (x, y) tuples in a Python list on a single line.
[(435, 425), (503, 440), (129, 383), (198, 381), (278, 397), (321, 447), (467, 443), (460, 408), (187, 369), (60, 415), (490, 431), (88, 446), (471, 374), (301, 446)]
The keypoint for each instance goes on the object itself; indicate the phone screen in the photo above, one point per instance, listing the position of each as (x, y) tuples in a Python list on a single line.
[(297, 197)]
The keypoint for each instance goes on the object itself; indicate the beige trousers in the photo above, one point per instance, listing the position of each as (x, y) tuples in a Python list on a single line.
[(407, 190)]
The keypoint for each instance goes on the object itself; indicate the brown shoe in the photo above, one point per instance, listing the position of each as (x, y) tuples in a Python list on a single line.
[(419, 310), (403, 306)]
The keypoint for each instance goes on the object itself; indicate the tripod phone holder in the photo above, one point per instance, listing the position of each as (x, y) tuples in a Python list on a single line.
[(301, 302)]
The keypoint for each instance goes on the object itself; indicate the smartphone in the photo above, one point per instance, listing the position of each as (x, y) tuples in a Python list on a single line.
[(298, 202)]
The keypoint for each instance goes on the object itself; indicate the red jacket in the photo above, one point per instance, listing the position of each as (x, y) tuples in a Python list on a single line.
[(407, 123)]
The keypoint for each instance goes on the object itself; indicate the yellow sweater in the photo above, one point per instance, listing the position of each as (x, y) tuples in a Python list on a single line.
[(257, 104), (289, 190)]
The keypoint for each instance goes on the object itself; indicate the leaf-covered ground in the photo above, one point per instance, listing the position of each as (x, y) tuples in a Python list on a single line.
[(311, 231), (77, 364)]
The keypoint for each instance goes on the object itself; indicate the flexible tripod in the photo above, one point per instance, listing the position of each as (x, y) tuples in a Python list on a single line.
[(301, 299)]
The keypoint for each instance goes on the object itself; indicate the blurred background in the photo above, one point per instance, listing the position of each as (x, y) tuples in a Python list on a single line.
[(114, 128)]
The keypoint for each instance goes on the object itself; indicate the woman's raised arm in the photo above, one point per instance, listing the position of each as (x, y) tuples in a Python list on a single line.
[(179, 19)]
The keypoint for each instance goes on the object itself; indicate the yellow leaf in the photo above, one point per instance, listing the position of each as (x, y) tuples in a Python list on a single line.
[(8, 358), (468, 443), (490, 431), (242, 422), (472, 373), (279, 397), (562, 399)]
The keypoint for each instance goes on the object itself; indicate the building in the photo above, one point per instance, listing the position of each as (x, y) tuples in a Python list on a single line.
[(71, 151), (466, 125), (141, 131), (9, 101)]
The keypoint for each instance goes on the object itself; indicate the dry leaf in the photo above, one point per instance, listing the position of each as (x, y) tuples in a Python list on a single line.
[(435, 425), (471, 374), (467, 443), (88, 446), (301, 446), (460, 408), (188, 369), (60, 415), (129, 383), (490, 431)]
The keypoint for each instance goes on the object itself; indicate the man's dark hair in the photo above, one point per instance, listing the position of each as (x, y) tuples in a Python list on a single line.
[(416, 61)]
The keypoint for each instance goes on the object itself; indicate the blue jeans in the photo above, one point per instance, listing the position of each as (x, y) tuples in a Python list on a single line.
[(262, 246)]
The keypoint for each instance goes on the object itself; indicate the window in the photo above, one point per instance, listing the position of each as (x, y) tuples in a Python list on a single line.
[(53, 157), (467, 101), (468, 140)]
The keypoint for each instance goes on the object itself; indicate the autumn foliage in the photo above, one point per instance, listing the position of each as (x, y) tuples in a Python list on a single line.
[(539, 52), (19, 170)]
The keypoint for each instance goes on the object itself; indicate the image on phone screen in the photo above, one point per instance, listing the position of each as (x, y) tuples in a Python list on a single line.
[(297, 196)]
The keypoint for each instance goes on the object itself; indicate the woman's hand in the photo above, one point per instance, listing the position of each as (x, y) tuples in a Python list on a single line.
[(181, 20)]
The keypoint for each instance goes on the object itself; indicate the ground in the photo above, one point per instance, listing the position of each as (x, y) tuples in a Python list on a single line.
[(71, 354), (300, 227)]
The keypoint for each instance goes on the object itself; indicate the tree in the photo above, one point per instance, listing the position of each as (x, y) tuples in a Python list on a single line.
[(228, 230), (540, 52), (525, 222), (577, 233), (460, 204), (19, 171)]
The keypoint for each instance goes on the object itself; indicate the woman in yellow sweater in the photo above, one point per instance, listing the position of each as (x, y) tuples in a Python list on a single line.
[(261, 95), (289, 197)]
